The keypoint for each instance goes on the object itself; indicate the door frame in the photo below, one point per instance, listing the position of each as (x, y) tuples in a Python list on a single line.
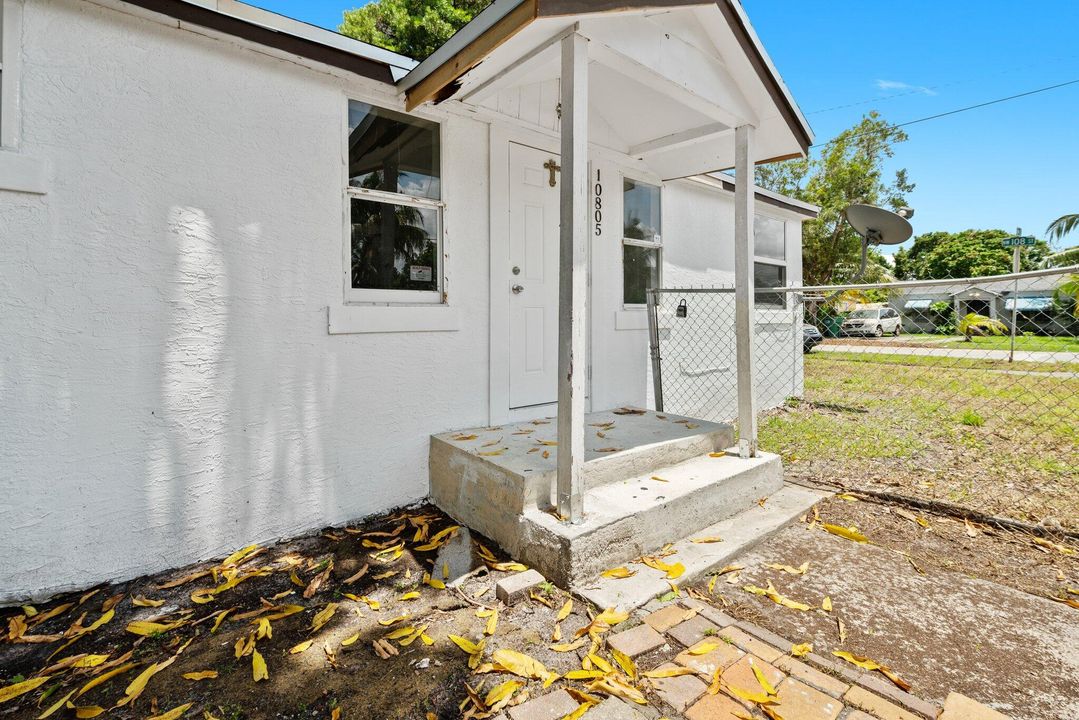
[(499, 410)]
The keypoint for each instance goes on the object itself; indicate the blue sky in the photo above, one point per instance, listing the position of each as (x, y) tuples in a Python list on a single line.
[(1010, 165)]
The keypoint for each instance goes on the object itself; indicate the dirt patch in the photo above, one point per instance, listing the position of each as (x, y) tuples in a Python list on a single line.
[(340, 668), (944, 609)]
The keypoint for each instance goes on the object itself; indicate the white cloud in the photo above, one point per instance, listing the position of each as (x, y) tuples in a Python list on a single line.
[(897, 85)]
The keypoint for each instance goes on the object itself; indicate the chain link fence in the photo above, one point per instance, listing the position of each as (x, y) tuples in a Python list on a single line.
[(961, 390)]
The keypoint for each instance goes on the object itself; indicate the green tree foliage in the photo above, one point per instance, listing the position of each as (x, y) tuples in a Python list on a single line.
[(415, 28), (1062, 226), (849, 169), (970, 253)]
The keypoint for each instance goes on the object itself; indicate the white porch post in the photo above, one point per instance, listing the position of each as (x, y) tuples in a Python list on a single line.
[(744, 300), (572, 278)]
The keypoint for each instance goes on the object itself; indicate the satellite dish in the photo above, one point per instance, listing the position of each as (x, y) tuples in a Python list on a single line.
[(878, 226)]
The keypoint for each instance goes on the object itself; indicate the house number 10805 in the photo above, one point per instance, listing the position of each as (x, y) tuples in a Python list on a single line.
[(598, 213)]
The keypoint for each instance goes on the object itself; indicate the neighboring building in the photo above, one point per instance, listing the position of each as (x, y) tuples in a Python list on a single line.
[(1033, 304), (250, 266)]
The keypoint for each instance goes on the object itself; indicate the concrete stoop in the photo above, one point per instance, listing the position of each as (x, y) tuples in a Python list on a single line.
[(661, 486)]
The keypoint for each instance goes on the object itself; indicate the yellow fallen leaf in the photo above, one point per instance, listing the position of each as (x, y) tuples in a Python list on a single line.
[(569, 647), (135, 688), (200, 675), (755, 698), (90, 661), (392, 621), (468, 646), (703, 648), (584, 674), (59, 704), (613, 685), (346, 642), (173, 714), (508, 567), (800, 570), (220, 619), (801, 649), (145, 627), (710, 539), (567, 608), (826, 604), (502, 692), (579, 712), (323, 616), (848, 533), (599, 662), (668, 672), (619, 573), (259, 671), (410, 595), (87, 711), (100, 679), (520, 664), (612, 617), (265, 629), (141, 601), (763, 681), (848, 497), (625, 662)]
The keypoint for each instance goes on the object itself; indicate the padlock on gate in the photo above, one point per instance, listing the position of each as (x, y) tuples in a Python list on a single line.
[(682, 310)]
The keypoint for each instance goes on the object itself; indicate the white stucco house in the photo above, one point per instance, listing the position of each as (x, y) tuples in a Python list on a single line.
[(249, 267)]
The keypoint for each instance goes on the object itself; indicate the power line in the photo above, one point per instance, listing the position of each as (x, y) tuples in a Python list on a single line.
[(957, 111)]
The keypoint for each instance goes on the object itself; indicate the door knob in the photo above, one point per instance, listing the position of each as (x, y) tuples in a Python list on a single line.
[(517, 289)]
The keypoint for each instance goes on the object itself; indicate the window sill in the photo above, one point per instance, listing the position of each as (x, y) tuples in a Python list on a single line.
[(356, 319), (631, 318), (22, 173)]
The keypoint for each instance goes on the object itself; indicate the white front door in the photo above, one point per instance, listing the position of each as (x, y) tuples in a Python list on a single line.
[(532, 276)]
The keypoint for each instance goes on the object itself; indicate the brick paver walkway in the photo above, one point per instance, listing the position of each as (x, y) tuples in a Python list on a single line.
[(733, 670)]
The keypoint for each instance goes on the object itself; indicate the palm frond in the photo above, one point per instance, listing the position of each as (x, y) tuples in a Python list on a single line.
[(1062, 226)]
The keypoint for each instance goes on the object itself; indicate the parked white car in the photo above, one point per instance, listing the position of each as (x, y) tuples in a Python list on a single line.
[(872, 321)]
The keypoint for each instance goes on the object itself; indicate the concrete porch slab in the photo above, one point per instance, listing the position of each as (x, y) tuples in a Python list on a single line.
[(487, 478)]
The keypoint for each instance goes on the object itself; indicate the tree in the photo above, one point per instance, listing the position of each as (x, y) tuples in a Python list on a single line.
[(847, 170), (970, 253), (414, 28), (973, 324), (1062, 226)]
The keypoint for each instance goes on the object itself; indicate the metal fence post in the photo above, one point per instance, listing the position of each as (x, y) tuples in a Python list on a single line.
[(652, 297)]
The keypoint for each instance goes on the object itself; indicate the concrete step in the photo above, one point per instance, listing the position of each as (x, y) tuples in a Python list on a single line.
[(740, 533), (624, 520), (487, 478)]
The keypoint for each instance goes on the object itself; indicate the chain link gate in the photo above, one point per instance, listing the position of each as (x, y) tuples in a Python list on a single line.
[(960, 390)]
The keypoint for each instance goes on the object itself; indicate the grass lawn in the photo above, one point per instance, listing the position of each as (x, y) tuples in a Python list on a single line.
[(1032, 343), (1001, 442)]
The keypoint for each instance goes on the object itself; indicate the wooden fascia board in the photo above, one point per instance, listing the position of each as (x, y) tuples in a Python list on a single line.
[(749, 48), (471, 55)]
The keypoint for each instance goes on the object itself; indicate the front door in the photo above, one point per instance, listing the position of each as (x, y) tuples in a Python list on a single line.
[(532, 276)]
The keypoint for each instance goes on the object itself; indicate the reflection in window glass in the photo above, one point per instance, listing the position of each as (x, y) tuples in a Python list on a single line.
[(394, 247), (769, 237), (640, 271), (640, 211), (770, 276), (393, 152)]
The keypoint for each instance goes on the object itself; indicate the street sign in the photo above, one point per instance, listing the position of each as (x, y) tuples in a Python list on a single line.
[(1018, 241)]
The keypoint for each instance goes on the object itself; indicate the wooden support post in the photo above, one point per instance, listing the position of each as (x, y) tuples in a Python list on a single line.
[(572, 278), (744, 299)]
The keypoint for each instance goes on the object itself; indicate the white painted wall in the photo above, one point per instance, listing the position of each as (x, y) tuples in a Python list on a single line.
[(169, 388)]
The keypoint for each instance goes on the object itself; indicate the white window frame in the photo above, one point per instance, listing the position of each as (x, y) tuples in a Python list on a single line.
[(372, 296), (652, 244), (775, 262)]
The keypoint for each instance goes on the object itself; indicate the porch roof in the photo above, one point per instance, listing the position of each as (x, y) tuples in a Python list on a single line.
[(670, 79)]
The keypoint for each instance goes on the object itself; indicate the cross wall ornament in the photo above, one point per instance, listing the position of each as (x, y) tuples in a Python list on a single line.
[(552, 167)]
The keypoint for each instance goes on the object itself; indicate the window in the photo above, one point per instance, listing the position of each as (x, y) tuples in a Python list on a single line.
[(770, 276), (770, 251), (770, 237), (394, 193), (9, 29), (641, 240)]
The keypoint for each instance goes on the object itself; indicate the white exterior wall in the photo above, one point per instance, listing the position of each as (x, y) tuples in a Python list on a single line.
[(170, 389), (169, 385)]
